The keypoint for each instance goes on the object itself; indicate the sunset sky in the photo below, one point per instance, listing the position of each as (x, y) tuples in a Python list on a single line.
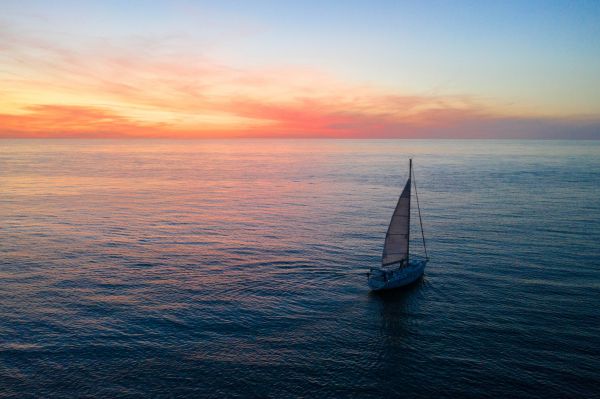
[(220, 69)]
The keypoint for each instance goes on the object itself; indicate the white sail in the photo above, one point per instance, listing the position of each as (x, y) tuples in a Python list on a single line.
[(395, 248)]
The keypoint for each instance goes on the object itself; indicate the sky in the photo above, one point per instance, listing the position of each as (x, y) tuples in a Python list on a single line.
[(335, 69)]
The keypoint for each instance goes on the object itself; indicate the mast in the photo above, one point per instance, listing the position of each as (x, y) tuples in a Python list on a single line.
[(408, 231)]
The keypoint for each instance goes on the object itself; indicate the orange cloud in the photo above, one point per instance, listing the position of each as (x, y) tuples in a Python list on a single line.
[(304, 120), (69, 121)]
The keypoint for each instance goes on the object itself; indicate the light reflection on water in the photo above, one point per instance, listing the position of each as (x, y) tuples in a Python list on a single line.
[(236, 268)]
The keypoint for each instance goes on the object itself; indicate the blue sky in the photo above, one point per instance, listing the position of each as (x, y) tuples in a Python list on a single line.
[(523, 59)]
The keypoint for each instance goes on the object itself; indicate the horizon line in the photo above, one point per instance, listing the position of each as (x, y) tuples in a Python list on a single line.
[(303, 138)]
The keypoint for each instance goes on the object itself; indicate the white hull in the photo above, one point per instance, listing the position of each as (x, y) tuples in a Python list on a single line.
[(393, 278)]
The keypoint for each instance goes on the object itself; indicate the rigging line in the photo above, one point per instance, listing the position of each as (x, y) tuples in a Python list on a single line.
[(420, 219)]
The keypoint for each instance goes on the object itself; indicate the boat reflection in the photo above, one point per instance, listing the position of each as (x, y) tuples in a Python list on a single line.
[(397, 309), (397, 321)]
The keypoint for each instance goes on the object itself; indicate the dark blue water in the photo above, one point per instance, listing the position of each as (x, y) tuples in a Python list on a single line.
[(236, 269)]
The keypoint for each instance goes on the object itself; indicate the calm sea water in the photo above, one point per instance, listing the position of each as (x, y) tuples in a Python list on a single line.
[(237, 269)]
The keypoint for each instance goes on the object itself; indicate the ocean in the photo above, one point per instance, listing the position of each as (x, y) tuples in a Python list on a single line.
[(236, 268)]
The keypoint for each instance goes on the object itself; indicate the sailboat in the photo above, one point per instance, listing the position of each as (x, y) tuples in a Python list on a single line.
[(398, 266)]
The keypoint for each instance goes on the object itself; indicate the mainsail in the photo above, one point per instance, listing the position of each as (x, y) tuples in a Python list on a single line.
[(395, 248)]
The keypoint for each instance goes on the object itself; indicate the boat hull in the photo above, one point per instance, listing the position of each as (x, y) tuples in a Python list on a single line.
[(395, 278)]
